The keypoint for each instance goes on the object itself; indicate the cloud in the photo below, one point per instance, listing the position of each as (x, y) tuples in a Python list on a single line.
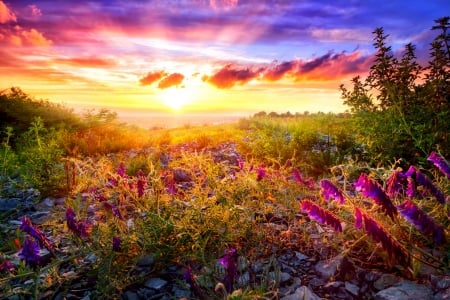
[(34, 10), (88, 62), (152, 77), (173, 79), (34, 38), (6, 15), (229, 76), (279, 71)]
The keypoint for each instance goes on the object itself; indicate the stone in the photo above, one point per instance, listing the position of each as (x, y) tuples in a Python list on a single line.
[(181, 175), (442, 295), (8, 204), (385, 281), (155, 283), (146, 261), (405, 290), (129, 295), (329, 268), (352, 288), (302, 293)]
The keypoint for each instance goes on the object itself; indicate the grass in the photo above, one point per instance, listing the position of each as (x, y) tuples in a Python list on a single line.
[(240, 186)]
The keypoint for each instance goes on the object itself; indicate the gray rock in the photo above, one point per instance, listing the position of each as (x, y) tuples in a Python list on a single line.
[(129, 295), (8, 204), (329, 268), (155, 283), (440, 282), (405, 290), (385, 281), (146, 261), (352, 288), (302, 293), (442, 295), (181, 175)]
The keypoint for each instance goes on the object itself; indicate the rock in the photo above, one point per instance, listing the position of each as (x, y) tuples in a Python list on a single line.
[(442, 295), (405, 290), (352, 288), (329, 268), (146, 261), (155, 283), (302, 293), (385, 281), (129, 295), (181, 175), (439, 282), (8, 204)]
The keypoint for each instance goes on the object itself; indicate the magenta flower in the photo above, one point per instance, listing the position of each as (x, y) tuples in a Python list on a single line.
[(240, 164), (301, 181), (396, 183), (320, 215), (440, 163), (27, 227), (122, 170), (329, 190), (373, 190), (30, 252), (141, 183), (229, 261), (6, 266), (114, 209), (116, 243), (379, 234), (171, 187), (422, 221), (421, 179), (80, 228), (261, 173)]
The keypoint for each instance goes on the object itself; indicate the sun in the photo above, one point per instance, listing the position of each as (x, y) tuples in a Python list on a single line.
[(176, 97)]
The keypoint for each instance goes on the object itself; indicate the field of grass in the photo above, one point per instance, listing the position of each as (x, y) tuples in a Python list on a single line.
[(194, 195)]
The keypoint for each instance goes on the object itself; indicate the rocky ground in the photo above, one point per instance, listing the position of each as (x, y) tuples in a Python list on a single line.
[(291, 272)]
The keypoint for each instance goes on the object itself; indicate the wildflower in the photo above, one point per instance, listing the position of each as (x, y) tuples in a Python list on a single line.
[(395, 183), (229, 261), (81, 229), (141, 183), (373, 190), (379, 234), (171, 187), (114, 209), (261, 173), (116, 243), (240, 164), (121, 170), (30, 251), (422, 221), (307, 182), (422, 180), (330, 190), (27, 227), (6, 266), (440, 163), (321, 215)]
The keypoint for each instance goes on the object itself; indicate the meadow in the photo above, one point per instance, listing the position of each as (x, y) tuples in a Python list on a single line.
[(213, 207)]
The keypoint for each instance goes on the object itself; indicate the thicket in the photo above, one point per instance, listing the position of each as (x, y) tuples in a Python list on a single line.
[(402, 109)]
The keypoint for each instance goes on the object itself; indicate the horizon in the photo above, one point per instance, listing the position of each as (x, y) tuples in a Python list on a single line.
[(218, 57)]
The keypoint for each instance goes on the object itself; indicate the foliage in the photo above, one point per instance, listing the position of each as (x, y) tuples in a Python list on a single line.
[(401, 109)]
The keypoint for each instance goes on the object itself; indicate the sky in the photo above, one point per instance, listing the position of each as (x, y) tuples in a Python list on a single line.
[(224, 57)]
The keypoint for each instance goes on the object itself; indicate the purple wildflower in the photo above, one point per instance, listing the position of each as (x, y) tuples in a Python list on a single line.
[(321, 215), (307, 182), (81, 229), (141, 183), (379, 234), (396, 183), (261, 173), (171, 187), (440, 163), (27, 227), (229, 261), (121, 170), (423, 180), (240, 164), (30, 251), (114, 209), (116, 243), (6, 266), (422, 221), (330, 190), (373, 190)]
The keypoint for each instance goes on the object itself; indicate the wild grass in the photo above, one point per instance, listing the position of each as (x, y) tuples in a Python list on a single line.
[(186, 199)]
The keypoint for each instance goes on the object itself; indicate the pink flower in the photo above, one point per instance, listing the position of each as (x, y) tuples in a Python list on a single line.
[(307, 182), (329, 190), (320, 215), (440, 163), (261, 173)]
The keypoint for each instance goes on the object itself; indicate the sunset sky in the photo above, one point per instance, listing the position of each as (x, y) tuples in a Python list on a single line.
[(227, 56)]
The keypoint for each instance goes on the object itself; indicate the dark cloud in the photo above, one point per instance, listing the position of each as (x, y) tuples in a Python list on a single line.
[(278, 71), (152, 77), (173, 79), (229, 76)]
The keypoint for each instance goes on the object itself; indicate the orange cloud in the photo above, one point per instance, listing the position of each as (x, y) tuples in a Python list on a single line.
[(173, 79), (152, 77), (6, 15), (279, 71), (229, 76), (89, 62), (34, 38)]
